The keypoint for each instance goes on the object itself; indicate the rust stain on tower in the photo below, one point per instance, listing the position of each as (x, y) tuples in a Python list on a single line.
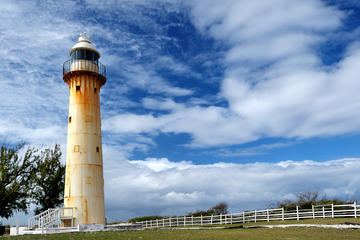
[(84, 182)]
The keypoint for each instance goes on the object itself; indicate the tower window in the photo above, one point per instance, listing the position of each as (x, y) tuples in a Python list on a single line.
[(77, 88), (97, 149), (95, 90), (88, 180), (69, 119), (77, 148)]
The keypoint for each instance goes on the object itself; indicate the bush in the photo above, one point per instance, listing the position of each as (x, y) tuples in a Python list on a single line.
[(305, 200), (199, 213), (221, 208), (145, 218)]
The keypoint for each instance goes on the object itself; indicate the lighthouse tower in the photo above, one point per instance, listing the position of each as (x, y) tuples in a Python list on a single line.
[(84, 182)]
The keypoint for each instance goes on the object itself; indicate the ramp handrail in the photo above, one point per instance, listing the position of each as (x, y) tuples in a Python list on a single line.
[(50, 217)]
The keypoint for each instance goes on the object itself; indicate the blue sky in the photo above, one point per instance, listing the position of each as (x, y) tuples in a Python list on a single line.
[(248, 102)]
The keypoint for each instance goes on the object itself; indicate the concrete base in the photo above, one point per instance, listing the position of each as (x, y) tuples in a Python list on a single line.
[(81, 228), (17, 230), (26, 231), (91, 227)]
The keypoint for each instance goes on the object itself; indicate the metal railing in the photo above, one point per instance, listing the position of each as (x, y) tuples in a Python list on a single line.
[(52, 217), (84, 65), (267, 215)]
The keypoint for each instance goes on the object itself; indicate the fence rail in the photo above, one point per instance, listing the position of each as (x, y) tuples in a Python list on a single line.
[(267, 215)]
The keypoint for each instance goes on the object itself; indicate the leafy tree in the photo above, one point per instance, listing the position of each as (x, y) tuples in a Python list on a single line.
[(221, 208), (48, 179), (305, 200), (199, 213), (15, 179), (145, 218)]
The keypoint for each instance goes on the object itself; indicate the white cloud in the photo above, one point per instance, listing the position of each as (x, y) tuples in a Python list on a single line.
[(131, 123), (161, 164), (275, 82), (160, 186), (250, 151), (233, 20), (148, 80), (34, 46)]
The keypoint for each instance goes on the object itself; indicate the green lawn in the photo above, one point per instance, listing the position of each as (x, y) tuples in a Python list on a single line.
[(302, 221), (220, 234), (292, 233)]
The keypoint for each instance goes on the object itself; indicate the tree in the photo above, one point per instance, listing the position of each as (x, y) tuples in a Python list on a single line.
[(144, 218), (221, 208), (15, 179), (48, 179), (305, 200), (199, 213)]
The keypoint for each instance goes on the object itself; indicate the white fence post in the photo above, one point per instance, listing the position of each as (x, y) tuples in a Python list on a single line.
[(267, 215), (177, 221), (355, 214), (255, 215), (243, 216), (323, 208), (150, 223), (201, 220), (313, 211), (145, 223), (184, 220), (211, 219), (332, 210), (163, 222), (282, 214), (297, 212), (192, 220), (225, 219), (170, 221), (230, 218), (42, 225)]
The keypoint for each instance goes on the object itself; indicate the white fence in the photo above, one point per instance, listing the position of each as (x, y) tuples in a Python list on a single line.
[(278, 214)]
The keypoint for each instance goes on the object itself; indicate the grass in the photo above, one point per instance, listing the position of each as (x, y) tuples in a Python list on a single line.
[(293, 233), (219, 234), (302, 221)]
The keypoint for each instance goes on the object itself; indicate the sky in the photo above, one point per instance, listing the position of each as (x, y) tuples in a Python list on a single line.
[(247, 102)]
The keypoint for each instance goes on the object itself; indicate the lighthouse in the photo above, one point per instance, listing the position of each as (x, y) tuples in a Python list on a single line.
[(84, 181)]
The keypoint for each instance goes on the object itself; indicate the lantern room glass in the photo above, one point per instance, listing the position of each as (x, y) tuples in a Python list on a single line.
[(85, 54)]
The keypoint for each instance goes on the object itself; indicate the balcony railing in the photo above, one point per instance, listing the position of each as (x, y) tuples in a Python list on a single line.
[(84, 65)]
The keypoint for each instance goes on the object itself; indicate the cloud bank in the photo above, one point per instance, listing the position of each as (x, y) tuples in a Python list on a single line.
[(162, 187)]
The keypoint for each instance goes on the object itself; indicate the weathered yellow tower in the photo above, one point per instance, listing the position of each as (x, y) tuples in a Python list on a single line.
[(84, 182)]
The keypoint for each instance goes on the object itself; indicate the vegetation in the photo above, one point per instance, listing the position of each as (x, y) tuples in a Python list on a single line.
[(35, 177), (145, 218), (48, 180), (15, 179), (214, 234), (305, 200), (221, 208)]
